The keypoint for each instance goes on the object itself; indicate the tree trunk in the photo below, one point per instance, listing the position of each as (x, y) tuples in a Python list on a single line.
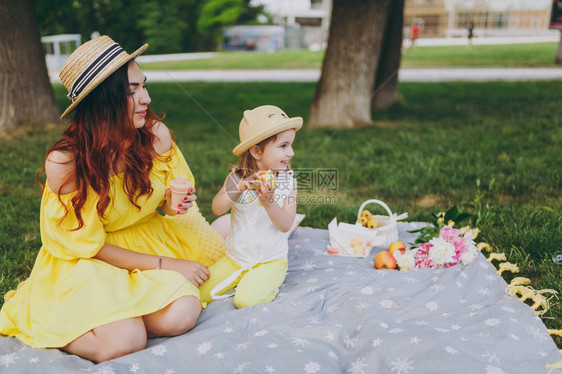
[(26, 94), (386, 82), (344, 92)]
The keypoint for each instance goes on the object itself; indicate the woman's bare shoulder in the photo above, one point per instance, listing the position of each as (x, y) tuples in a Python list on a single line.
[(59, 167), (163, 141)]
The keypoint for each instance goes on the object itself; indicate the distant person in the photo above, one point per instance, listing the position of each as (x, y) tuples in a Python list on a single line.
[(414, 34), (470, 28)]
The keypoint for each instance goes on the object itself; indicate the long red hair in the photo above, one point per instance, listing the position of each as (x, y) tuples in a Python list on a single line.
[(103, 141)]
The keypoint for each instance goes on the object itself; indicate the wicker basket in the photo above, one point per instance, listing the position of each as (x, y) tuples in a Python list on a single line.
[(388, 232), (344, 235)]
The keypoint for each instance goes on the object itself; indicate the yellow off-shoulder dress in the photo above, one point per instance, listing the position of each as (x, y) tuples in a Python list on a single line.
[(69, 292)]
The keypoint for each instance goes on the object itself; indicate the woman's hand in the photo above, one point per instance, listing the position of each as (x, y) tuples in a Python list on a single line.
[(182, 207), (193, 271)]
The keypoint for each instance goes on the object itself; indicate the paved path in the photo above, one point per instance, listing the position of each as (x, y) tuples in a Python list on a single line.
[(479, 74), (176, 57), (405, 75)]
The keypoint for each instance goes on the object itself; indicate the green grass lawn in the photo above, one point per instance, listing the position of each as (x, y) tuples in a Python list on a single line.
[(508, 55), (297, 59), (492, 149)]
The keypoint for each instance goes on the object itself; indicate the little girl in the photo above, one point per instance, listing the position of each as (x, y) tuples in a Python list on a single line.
[(262, 210)]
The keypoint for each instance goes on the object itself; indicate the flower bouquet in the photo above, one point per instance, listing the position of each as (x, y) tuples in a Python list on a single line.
[(441, 245)]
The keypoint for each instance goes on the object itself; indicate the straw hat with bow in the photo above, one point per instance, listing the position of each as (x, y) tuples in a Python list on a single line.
[(90, 64)]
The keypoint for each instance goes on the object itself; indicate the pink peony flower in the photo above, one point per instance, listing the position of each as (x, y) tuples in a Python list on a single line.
[(422, 256), (450, 248), (449, 234)]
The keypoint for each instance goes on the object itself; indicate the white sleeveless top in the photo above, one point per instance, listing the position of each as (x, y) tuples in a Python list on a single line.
[(253, 237)]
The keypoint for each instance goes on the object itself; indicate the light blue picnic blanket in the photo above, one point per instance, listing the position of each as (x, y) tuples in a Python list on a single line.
[(339, 314)]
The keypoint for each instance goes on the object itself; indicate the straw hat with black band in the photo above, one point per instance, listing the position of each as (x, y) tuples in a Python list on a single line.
[(262, 122), (90, 64)]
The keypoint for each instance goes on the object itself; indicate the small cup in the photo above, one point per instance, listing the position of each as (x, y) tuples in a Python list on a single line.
[(332, 251), (180, 187)]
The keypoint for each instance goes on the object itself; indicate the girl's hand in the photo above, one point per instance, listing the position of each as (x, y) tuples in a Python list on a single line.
[(193, 271), (249, 183), (182, 207), (266, 192)]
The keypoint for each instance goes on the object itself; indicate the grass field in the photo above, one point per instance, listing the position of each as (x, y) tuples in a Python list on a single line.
[(508, 55), (492, 149)]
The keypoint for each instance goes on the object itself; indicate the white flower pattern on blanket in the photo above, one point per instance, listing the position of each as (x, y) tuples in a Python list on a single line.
[(339, 314)]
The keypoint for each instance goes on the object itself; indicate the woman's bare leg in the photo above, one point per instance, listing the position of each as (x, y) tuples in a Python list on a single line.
[(110, 341), (119, 338), (178, 317)]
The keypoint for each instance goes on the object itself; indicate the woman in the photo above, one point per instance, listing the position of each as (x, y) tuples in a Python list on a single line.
[(111, 270)]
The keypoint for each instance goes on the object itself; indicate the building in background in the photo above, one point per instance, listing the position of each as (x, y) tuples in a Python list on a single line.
[(430, 16), (58, 48), (449, 18), (307, 21), (435, 18)]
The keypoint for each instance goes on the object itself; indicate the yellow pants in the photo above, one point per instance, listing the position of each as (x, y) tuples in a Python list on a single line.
[(253, 286)]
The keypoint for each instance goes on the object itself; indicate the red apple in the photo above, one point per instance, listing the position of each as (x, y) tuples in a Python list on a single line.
[(397, 246), (385, 260)]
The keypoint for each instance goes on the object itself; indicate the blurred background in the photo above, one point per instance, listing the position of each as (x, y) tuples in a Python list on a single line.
[(179, 26)]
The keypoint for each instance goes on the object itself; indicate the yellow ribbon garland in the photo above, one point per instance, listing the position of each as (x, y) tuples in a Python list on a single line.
[(555, 366), (518, 287), (507, 266), (497, 256), (555, 332), (483, 246)]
